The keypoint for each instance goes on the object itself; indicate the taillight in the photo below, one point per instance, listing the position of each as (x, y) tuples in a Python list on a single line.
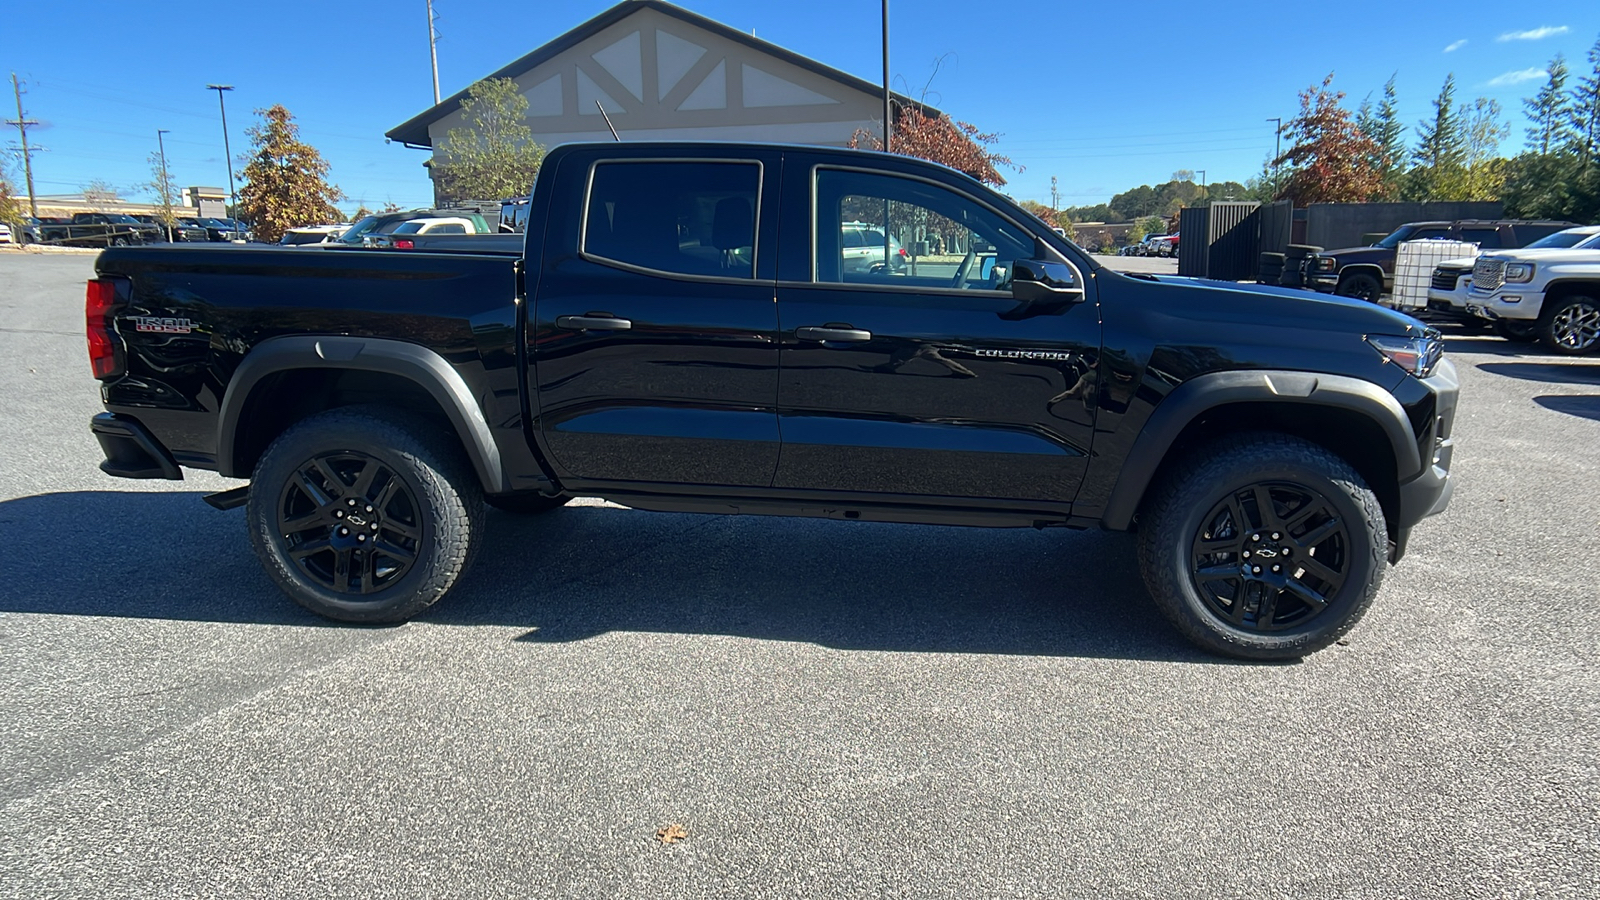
[(902, 252), (99, 301), (404, 244)]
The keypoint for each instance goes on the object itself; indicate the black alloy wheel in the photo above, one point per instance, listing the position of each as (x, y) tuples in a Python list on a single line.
[(1361, 286), (349, 523), (1573, 326), (1269, 556), (365, 513)]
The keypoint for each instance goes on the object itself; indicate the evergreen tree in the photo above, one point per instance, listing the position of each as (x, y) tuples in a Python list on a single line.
[(1383, 126), (1441, 146), (1584, 111), (285, 180), (1548, 113)]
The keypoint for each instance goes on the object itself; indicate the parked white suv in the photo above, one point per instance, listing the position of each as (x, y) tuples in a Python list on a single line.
[(1548, 293)]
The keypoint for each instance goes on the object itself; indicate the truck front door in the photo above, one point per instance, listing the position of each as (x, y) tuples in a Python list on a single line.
[(925, 377), (654, 327)]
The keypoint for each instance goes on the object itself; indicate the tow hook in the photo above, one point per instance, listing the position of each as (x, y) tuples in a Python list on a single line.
[(232, 499)]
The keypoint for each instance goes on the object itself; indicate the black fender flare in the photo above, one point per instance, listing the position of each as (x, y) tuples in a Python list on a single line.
[(406, 360), (1197, 395)]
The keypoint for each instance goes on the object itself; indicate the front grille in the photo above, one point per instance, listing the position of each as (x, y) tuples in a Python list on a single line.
[(1489, 275), (1445, 279)]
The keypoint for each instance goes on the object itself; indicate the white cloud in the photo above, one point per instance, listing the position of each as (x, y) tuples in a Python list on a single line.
[(1456, 46), (1534, 34), (1517, 77)]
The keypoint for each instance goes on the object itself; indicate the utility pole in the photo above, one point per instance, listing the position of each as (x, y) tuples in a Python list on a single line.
[(166, 184), (219, 88), (22, 122), (1055, 195), (888, 115), (1277, 131), (433, 50)]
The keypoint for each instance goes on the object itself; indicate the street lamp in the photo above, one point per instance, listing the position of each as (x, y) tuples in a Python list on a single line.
[(232, 194), (166, 184)]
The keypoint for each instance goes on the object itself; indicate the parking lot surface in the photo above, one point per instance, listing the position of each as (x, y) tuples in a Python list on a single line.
[(829, 709)]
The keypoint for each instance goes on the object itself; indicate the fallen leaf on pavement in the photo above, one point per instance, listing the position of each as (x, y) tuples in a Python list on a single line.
[(671, 834)]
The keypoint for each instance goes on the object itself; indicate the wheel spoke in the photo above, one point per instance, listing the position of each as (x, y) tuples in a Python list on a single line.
[(1310, 564), (1214, 573), (341, 570), (1264, 507), (309, 548), (335, 483), (409, 532), (364, 478), (1215, 546), (398, 554), (1269, 607), (369, 571), (1316, 600), (312, 489), (303, 523), (1301, 515), (1241, 525), (386, 494), (1319, 534)]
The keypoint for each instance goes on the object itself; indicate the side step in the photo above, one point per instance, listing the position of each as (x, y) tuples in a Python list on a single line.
[(233, 499)]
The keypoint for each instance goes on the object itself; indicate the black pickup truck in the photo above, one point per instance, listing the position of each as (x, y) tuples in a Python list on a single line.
[(681, 332), (99, 230)]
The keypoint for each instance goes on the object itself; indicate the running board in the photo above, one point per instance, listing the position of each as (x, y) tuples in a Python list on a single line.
[(233, 499)]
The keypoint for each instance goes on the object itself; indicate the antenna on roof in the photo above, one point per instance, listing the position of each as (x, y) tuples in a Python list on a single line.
[(608, 121)]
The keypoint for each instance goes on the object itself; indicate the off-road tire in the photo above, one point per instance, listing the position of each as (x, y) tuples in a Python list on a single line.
[(1179, 506), (1361, 286), (525, 504), (1571, 326), (441, 498)]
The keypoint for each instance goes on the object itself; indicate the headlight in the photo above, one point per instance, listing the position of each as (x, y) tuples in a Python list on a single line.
[(1326, 264), (1519, 273), (1417, 355)]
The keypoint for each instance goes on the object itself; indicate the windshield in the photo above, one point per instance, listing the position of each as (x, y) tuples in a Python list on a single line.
[(1563, 239), (120, 219), (1393, 240), (411, 227), (354, 234)]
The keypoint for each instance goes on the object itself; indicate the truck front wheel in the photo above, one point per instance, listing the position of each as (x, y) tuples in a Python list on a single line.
[(364, 513), (1572, 325), (1263, 547)]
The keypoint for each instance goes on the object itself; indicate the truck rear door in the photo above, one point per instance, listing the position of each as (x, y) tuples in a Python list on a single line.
[(654, 325)]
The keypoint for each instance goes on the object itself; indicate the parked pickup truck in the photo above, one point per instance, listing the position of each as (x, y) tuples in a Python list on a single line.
[(100, 230), (1549, 294), (1368, 272), (1452, 282), (681, 333)]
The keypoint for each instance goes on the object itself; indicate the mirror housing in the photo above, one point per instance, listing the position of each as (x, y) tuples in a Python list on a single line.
[(1039, 280)]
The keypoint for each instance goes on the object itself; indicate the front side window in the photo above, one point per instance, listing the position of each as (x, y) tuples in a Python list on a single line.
[(684, 218), (902, 232)]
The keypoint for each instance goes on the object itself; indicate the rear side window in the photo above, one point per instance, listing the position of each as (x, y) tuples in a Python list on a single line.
[(450, 228), (685, 218), (1485, 238)]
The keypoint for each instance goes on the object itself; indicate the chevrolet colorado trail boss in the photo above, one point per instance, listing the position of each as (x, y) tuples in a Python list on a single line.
[(682, 332)]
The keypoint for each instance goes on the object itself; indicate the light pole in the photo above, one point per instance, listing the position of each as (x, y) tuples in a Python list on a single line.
[(888, 115), (1277, 131), (232, 194), (166, 184)]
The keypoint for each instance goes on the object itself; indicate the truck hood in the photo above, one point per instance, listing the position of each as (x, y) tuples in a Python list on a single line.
[(1460, 262), (1546, 254), (1349, 255), (1328, 312)]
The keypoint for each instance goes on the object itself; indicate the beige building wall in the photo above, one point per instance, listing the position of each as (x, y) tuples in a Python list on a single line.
[(660, 78)]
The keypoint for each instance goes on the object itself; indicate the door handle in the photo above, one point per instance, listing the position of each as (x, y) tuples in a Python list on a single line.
[(829, 335), (592, 323)]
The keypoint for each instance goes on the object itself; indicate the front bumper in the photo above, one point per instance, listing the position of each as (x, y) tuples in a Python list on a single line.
[(131, 450), (1506, 303), (1428, 492)]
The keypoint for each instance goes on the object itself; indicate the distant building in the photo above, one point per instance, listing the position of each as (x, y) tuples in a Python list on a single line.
[(664, 73)]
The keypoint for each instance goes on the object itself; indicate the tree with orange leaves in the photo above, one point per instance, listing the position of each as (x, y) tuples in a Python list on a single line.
[(1329, 155)]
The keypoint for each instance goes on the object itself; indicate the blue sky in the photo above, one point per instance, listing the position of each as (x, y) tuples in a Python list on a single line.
[(1104, 96)]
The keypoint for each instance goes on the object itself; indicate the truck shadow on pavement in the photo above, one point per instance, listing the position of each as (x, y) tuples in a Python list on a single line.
[(584, 571), (1584, 406), (1548, 373)]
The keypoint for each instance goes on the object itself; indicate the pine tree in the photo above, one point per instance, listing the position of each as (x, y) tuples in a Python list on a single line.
[(1383, 127), (286, 180), (1548, 111), (1584, 111), (1441, 146)]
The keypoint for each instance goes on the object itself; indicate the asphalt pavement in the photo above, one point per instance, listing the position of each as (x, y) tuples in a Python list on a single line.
[(828, 709)]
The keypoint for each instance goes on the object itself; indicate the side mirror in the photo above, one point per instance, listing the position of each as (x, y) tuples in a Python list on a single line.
[(1043, 281)]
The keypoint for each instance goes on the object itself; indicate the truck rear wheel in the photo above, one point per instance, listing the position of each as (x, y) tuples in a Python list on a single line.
[(1263, 547), (1361, 286), (365, 513)]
